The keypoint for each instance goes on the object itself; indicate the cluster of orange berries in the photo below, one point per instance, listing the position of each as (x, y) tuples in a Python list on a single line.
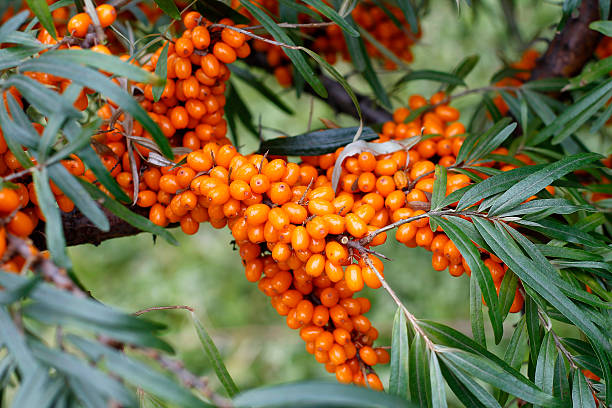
[(19, 211), (329, 41), (526, 64)]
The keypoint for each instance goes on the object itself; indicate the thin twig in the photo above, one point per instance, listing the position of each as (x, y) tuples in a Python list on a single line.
[(411, 318), (154, 308)]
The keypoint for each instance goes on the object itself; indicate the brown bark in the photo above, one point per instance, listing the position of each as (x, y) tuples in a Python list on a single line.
[(572, 47)]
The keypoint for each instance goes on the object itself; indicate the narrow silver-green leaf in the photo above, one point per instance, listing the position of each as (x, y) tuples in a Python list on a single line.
[(169, 7), (161, 70), (476, 319), (545, 366), (497, 376), (54, 230), (418, 368), (438, 390), (398, 378), (495, 184), (537, 181), (581, 394), (439, 188), (15, 343), (215, 357), (333, 15), (40, 8)]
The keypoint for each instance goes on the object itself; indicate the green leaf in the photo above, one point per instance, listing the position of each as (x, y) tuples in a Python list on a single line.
[(517, 347), (371, 77), (333, 15), (317, 394), (557, 230), (338, 77), (54, 230), (507, 292), (491, 108), (591, 73), (386, 52), (101, 61), (463, 69), (544, 265), (12, 25), (476, 319), (137, 373), (42, 98), (545, 85), (539, 106), (539, 180), (439, 188), (294, 55), (603, 26), (431, 75), (474, 389), (15, 343), (12, 56), (547, 206), (314, 143), (410, 14), (506, 249), (581, 394), (21, 291), (545, 366), (72, 187), (534, 331), (127, 215), (455, 339), (561, 387), (469, 251), (398, 379), (40, 8), (251, 80), (161, 70), (418, 367), (601, 120), (568, 253), (73, 132), (595, 96), (169, 7), (74, 367), (497, 376), (99, 82), (491, 140), (214, 357), (237, 108), (438, 390), (463, 393), (38, 390)]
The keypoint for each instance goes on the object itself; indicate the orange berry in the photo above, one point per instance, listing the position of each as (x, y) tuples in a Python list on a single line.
[(79, 24), (106, 14)]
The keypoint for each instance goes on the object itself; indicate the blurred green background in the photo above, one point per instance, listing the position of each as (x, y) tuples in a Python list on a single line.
[(204, 273)]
